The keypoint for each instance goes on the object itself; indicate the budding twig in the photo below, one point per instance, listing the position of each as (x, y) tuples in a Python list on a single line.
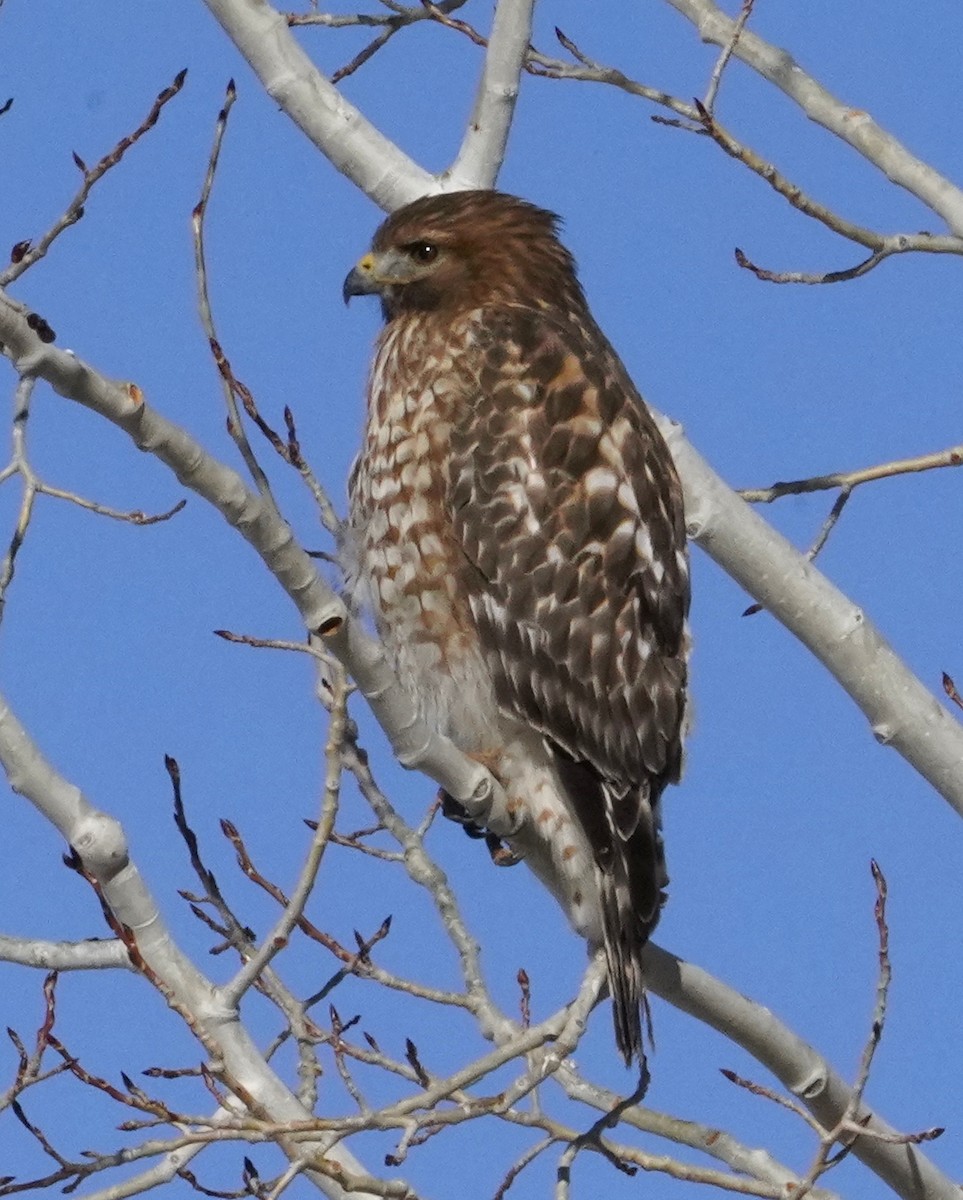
[(27, 253)]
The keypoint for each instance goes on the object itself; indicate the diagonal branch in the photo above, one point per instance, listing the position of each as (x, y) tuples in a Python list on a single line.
[(26, 253), (902, 712), (277, 938), (882, 245), (350, 142), (712, 91), (258, 521), (797, 1065)]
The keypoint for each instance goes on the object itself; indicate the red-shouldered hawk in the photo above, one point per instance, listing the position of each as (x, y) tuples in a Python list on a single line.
[(517, 528)]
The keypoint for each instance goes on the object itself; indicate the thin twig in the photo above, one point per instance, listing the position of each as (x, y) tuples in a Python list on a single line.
[(367, 53), (723, 60), (854, 1121), (592, 1138), (951, 457), (135, 516), (235, 426), (820, 540), (847, 482), (34, 486), (814, 278), (520, 1164), (338, 1029), (30, 1064), (234, 388), (883, 981), (697, 117), (882, 245), (308, 928), (232, 992), (247, 639), (830, 523), (30, 253), (854, 126), (329, 517), (401, 15), (768, 1093), (19, 464)]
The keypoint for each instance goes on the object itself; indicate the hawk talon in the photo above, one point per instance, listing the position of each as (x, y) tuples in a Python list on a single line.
[(453, 811), (502, 855)]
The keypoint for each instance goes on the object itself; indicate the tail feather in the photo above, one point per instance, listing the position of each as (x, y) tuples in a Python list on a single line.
[(623, 830), (632, 894)]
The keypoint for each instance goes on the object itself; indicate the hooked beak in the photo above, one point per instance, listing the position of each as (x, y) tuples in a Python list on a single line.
[(378, 272), (361, 280)]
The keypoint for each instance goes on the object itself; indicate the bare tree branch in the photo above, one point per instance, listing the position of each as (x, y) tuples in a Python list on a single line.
[(853, 125), (722, 61), (951, 457), (798, 1066), (283, 928), (902, 712), (698, 117), (259, 523), (99, 841), (483, 148), (336, 127), (883, 245), (27, 253), (90, 955)]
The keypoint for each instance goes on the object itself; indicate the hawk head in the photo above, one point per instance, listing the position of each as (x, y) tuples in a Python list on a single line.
[(460, 250)]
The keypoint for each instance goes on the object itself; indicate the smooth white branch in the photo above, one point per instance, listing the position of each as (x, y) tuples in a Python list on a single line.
[(764, 563), (258, 521), (901, 710), (351, 143), (483, 148), (64, 956), (798, 1066)]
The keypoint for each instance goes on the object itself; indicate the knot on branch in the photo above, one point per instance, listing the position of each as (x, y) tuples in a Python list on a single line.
[(99, 842)]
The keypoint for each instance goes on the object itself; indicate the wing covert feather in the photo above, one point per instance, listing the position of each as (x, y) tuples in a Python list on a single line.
[(568, 510)]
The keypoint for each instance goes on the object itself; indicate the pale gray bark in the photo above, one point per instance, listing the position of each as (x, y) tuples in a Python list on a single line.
[(797, 1065), (482, 149)]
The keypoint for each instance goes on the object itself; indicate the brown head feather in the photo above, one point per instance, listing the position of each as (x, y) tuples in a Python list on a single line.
[(491, 247)]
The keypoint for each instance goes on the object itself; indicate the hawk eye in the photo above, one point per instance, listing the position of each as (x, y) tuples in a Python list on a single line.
[(425, 252)]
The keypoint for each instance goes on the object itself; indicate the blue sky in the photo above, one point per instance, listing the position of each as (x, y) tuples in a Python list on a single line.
[(106, 643)]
